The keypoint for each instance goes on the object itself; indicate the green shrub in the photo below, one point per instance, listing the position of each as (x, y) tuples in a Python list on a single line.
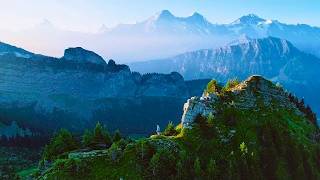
[(170, 130), (144, 152), (162, 164), (231, 84), (117, 136), (213, 87), (62, 142)]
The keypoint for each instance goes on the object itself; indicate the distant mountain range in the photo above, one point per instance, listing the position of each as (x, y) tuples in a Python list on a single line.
[(274, 58), (164, 35), (41, 94)]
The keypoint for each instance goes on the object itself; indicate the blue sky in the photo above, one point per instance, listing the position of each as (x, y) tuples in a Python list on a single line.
[(89, 15)]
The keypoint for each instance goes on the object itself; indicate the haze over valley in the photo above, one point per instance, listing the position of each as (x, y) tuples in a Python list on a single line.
[(158, 94)]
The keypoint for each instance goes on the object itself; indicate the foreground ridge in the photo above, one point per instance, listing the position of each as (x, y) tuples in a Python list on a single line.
[(251, 129)]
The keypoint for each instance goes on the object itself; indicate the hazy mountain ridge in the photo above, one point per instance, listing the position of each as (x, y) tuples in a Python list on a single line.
[(70, 91), (246, 56), (274, 58), (144, 40)]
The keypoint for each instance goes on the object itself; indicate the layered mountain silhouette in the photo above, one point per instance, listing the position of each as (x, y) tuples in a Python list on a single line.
[(75, 91), (164, 35), (274, 58)]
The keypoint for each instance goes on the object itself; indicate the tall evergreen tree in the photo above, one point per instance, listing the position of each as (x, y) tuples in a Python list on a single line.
[(87, 138), (101, 137), (117, 136)]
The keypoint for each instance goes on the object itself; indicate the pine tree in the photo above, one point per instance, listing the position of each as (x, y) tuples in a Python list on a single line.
[(87, 138), (117, 136), (101, 136)]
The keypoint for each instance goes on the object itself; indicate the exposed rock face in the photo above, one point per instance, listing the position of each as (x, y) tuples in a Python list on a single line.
[(273, 58), (81, 55), (239, 59), (194, 107), (250, 94)]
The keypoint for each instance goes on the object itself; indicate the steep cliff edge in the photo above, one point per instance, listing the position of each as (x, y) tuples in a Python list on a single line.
[(248, 130)]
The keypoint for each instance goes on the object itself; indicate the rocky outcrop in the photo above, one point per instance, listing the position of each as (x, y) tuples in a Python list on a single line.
[(253, 93), (194, 107), (81, 55)]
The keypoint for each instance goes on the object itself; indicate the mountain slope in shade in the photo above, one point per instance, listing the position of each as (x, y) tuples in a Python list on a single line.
[(274, 58), (42, 94), (9, 49)]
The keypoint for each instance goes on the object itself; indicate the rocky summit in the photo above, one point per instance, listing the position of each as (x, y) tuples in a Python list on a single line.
[(250, 94), (244, 130), (81, 55)]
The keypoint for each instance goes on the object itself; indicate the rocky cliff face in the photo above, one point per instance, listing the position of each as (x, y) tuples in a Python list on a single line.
[(274, 58), (251, 94), (239, 59), (78, 83)]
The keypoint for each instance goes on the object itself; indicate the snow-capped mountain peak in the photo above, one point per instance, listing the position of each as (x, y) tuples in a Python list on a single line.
[(196, 16), (249, 19), (164, 15)]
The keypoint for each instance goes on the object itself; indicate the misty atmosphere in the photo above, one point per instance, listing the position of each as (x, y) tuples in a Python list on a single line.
[(159, 89)]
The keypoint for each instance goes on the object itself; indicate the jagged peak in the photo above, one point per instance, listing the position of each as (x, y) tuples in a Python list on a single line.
[(249, 19), (164, 15), (197, 18), (196, 15)]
